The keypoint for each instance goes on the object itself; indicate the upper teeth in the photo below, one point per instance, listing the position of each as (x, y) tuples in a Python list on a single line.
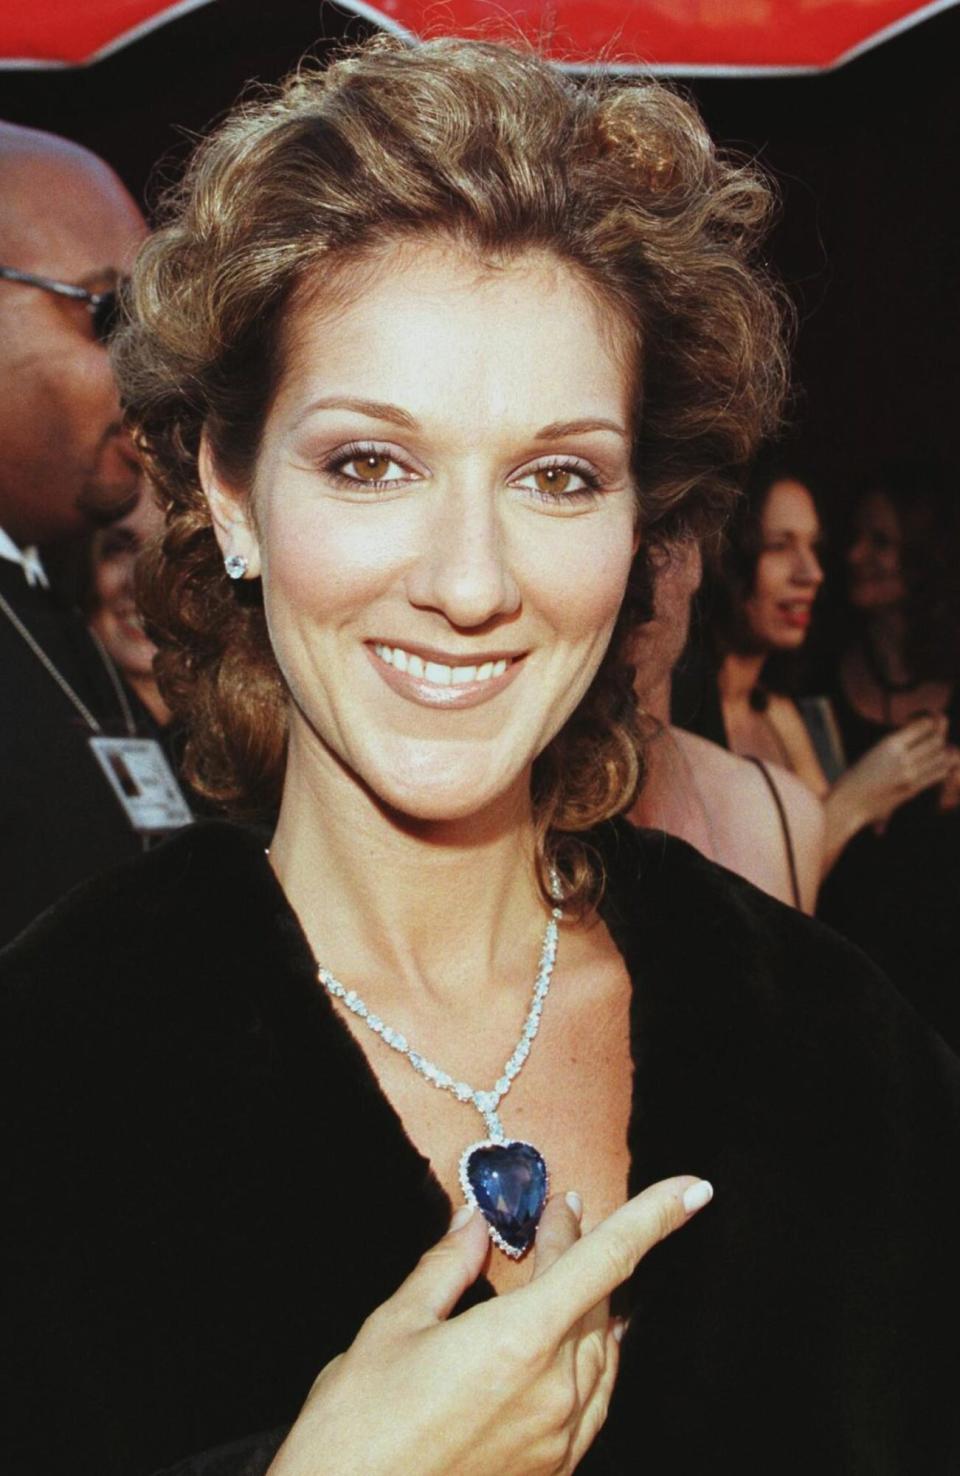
[(437, 671)]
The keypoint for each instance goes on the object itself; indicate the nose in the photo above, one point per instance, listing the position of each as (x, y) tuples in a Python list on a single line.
[(807, 567), (858, 551), (463, 571)]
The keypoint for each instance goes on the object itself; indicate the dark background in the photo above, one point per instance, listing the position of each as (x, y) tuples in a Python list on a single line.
[(865, 157)]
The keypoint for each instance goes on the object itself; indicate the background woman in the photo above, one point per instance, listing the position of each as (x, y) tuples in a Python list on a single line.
[(896, 888), (431, 350), (758, 605), (110, 602), (756, 818)]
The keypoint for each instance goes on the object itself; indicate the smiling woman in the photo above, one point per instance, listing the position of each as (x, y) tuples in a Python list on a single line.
[(616, 196), (486, 525), (431, 352), (759, 599)]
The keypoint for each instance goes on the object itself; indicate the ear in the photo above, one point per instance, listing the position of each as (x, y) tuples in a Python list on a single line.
[(690, 564), (230, 513)]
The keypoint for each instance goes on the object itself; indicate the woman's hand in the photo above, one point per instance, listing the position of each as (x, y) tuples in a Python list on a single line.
[(949, 797), (900, 766), (517, 1386)]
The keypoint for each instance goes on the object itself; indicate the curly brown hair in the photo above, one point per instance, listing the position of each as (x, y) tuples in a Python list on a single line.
[(493, 147)]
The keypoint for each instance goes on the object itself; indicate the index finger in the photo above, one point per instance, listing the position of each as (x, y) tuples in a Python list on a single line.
[(590, 1269), (924, 725)]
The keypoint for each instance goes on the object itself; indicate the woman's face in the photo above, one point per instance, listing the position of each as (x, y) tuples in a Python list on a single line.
[(115, 617), (788, 575), (874, 577), (444, 523)]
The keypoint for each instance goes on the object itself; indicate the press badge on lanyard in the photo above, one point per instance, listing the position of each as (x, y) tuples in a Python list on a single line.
[(135, 768), (143, 781)]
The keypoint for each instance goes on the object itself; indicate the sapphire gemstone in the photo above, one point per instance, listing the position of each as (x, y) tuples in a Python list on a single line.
[(509, 1182)]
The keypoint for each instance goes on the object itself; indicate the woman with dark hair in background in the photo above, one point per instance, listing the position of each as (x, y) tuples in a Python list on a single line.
[(433, 349), (757, 608), (109, 602), (896, 889), (756, 818)]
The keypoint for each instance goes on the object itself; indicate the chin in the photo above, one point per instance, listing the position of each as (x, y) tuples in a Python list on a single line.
[(434, 793), (872, 599), (790, 641)]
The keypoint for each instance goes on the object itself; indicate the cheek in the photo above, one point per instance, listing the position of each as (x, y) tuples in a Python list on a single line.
[(578, 582), (769, 581), (326, 567), (85, 387), (108, 583)]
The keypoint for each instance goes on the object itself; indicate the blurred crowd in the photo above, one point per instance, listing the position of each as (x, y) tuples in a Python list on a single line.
[(799, 681)]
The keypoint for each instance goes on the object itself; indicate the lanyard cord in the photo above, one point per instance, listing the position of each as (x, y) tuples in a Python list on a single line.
[(61, 680), (114, 676)]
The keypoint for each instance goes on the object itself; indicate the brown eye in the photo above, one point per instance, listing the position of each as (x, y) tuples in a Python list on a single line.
[(372, 467), (554, 479)]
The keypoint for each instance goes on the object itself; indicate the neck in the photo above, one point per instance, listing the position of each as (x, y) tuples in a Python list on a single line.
[(738, 676), (149, 694), (429, 909), (25, 523), (885, 634), (656, 703)]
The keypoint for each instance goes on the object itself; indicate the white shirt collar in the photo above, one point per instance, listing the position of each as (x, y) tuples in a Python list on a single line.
[(28, 559)]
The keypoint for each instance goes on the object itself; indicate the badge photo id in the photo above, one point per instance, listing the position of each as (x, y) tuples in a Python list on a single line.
[(144, 783)]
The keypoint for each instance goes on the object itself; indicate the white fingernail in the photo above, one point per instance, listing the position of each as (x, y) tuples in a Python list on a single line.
[(697, 1196), (574, 1202), (461, 1216)]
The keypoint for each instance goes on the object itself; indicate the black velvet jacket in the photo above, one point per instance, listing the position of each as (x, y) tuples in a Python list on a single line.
[(206, 1191)]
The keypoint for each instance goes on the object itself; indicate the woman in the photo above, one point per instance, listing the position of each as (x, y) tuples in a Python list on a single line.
[(111, 603), (758, 607), (431, 350), (895, 889), (758, 819)]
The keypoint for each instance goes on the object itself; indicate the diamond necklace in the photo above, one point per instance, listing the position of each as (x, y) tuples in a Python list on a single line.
[(504, 1178)]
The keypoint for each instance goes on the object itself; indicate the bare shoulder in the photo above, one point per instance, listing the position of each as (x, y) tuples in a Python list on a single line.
[(804, 810), (746, 825), (806, 822)]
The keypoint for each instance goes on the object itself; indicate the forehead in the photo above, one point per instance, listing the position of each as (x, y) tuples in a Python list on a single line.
[(68, 219), (789, 505), (142, 522), (429, 325), (876, 510)]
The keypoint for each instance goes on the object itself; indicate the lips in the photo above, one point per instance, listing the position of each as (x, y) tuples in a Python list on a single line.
[(796, 612), (443, 679)]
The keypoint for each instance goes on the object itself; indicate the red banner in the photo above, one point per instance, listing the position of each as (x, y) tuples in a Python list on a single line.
[(675, 36)]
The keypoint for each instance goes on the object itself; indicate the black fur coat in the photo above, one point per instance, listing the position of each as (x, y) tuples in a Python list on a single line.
[(200, 1172)]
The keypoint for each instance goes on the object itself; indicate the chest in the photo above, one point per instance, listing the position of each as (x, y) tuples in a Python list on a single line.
[(572, 1099), (777, 736), (886, 708)]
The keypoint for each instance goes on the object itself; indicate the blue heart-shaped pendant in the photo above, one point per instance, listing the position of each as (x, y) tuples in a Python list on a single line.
[(508, 1183)]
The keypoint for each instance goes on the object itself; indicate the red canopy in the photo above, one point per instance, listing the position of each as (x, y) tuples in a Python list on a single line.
[(674, 36)]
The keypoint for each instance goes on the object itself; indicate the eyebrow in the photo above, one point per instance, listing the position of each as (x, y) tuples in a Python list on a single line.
[(558, 428), (383, 410)]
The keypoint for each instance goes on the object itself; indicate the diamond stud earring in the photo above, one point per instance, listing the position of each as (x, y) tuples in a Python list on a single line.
[(235, 565)]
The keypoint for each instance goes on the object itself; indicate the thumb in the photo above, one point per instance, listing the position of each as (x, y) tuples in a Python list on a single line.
[(442, 1275)]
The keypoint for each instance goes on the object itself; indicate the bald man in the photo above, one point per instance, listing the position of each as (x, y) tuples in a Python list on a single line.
[(68, 230)]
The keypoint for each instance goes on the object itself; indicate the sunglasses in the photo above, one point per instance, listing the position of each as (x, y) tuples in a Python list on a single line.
[(103, 307)]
